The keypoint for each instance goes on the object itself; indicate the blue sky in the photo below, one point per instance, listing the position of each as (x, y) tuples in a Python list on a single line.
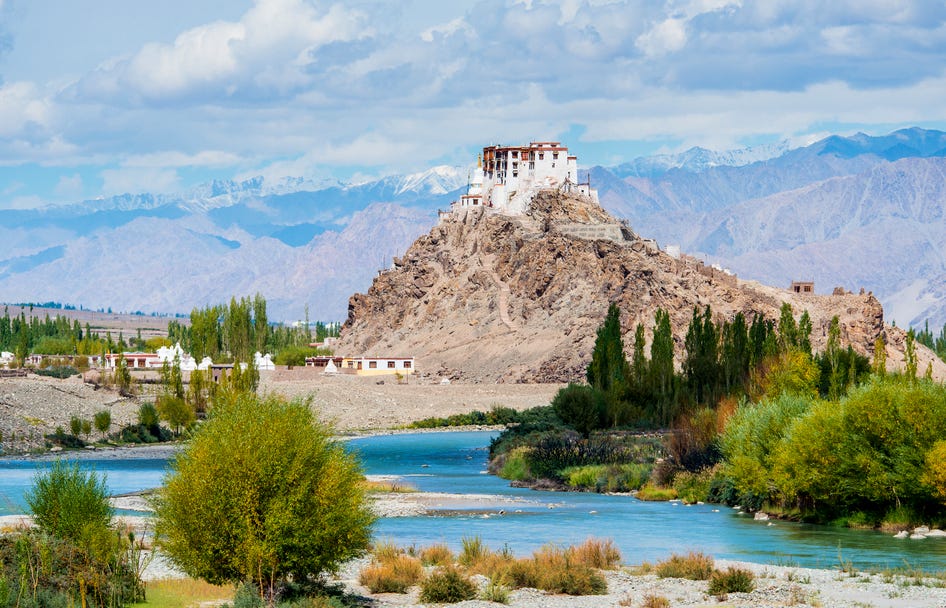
[(110, 96)]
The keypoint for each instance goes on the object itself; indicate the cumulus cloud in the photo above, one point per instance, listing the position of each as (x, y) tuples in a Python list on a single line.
[(298, 87), (265, 54)]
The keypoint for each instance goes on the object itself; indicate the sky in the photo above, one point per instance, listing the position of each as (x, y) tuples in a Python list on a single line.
[(107, 97)]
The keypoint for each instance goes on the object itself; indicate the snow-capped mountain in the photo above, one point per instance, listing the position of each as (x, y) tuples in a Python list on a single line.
[(858, 211)]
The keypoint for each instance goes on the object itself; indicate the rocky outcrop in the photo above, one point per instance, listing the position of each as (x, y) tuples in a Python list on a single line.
[(488, 297)]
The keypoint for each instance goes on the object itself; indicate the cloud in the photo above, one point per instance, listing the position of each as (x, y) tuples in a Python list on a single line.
[(137, 180), (263, 55), (205, 158), (69, 186)]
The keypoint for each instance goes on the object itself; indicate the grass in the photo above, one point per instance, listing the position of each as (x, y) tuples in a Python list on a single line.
[(652, 493), (183, 593), (387, 487), (394, 575), (693, 566), (732, 580), (516, 467), (555, 570), (447, 585), (436, 555), (607, 478), (594, 553)]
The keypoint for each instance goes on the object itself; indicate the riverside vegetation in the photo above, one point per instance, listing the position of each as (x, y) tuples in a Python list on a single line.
[(754, 418)]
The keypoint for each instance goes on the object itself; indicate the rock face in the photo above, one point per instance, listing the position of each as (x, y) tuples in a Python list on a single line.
[(488, 297)]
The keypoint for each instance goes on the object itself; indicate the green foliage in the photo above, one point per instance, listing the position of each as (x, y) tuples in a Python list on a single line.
[(42, 571), (934, 475), (69, 503), (609, 374), (447, 585), (702, 370), (176, 412), (910, 362), (515, 466), (296, 355), (693, 487), (262, 494), (580, 407), (607, 478), (102, 421), (58, 371), (496, 416), (732, 580)]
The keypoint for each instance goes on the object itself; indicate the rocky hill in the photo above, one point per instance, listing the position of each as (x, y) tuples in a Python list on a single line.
[(488, 297)]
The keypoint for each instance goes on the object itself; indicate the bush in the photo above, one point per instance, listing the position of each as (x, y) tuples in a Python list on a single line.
[(495, 592), (262, 494), (69, 503), (581, 407), (694, 566), (607, 478), (436, 555), (655, 601), (394, 575), (557, 571), (515, 466), (447, 585), (650, 492), (59, 371), (733, 580), (474, 551), (594, 553), (693, 487)]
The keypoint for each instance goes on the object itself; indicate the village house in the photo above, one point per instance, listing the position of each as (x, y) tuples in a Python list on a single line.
[(363, 366), (506, 178)]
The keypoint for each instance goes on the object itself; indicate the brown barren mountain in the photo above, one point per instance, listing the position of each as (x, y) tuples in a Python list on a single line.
[(495, 298)]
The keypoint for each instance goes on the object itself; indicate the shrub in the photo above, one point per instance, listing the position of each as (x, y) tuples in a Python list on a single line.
[(733, 580), (436, 555), (59, 371), (262, 494), (694, 566), (474, 551), (515, 466), (385, 551), (580, 407), (176, 412), (394, 575), (607, 478), (495, 592), (102, 421), (649, 492), (655, 601), (594, 553), (447, 585), (553, 569), (69, 503), (693, 487)]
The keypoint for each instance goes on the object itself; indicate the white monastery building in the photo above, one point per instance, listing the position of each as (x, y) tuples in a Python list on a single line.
[(507, 177)]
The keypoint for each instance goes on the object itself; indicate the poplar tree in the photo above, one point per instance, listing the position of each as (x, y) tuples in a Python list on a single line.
[(609, 371), (661, 369)]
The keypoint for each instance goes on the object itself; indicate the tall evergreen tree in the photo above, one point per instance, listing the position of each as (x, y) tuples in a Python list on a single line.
[(609, 371), (662, 377)]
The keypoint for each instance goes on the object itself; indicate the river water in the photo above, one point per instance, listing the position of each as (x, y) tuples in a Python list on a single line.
[(456, 463)]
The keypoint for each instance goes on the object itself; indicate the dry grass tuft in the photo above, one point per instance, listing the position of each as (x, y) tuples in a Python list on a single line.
[(595, 553), (694, 566), (436, 555), (394, 575)]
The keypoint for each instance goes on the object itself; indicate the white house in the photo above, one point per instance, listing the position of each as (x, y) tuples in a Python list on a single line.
[(507, 177), (263, 362)]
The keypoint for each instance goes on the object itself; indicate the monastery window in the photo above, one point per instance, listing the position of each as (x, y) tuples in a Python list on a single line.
[(391, 364), (515, 154), (407, 365), (531, 165), (372, 365), (541, 155), (351, 364), (554, 155), (515, 173)]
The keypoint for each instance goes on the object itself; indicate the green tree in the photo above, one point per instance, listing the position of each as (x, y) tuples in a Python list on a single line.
[(609, 372), (581, 407), (832, 353), (75, 426), (804, 333), (701, 368), (262, 494), (880, 357), (69, 503), (176, 411), (663, 380), (910, 355), (103, 422), (787, 329)]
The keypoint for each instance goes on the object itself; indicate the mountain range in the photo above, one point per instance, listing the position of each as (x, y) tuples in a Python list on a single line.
[(855, 212)]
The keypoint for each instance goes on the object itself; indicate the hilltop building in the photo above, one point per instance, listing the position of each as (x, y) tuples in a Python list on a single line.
[(507, 177)]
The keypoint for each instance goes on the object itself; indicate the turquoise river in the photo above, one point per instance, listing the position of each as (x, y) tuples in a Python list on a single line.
[(455, 462)]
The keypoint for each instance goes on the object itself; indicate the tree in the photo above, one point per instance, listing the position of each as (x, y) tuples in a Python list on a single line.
[(910, 355), (176, 411), (609, 372), (69, 503), (880, 357), (661, 369), (262, 494), (103, 422), (580, 407)]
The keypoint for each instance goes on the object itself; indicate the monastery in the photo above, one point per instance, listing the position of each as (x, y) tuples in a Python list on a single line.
[(507, 177)]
